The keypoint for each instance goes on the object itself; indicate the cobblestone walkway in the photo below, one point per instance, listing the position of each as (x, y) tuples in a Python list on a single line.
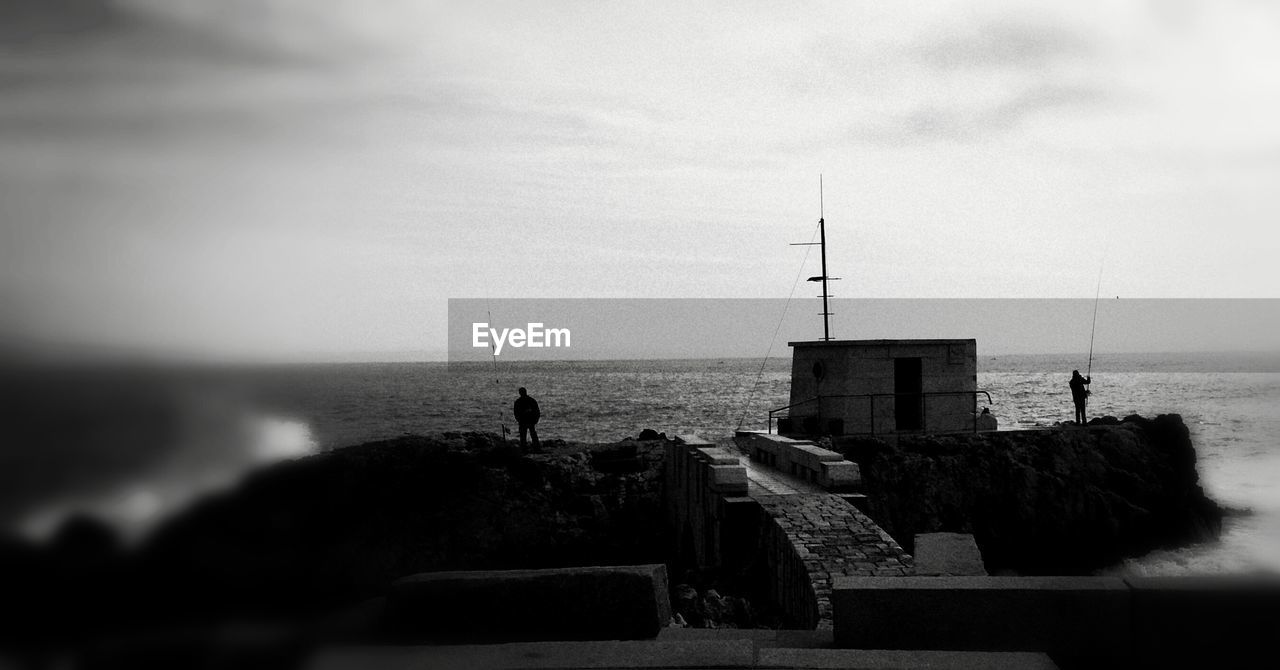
[(833, 539)]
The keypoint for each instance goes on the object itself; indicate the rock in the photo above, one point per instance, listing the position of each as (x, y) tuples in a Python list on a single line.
[(686, 604), (621, 458), (333, 529), (709, 609), (649, 434), (718, 610), (84, 539), (1063, 501)]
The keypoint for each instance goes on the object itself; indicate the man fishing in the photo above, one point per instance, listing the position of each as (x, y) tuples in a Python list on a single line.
[(1079, 393), (527, 415)]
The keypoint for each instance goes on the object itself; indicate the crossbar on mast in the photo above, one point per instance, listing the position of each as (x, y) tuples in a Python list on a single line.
[(826, 293)]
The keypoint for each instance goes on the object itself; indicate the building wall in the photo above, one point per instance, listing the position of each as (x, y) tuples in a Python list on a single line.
[(866, 367)]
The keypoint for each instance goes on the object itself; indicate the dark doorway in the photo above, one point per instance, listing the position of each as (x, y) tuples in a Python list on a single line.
[(908, 385)]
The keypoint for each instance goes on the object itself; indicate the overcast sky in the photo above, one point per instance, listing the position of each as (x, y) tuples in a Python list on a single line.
[(276, 177)]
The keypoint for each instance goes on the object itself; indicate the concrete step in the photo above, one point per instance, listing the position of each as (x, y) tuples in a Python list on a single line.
[(662, 653), (542, 655), (892, 659)]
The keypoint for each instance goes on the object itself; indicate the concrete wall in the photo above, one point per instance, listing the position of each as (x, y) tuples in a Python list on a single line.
[(1089, 615), (597, 603), (706, 488), (719, 526), (867, 367), (791, 586), (1135, 622)]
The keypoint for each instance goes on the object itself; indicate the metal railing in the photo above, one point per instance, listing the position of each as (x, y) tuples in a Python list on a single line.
[(871, 406)]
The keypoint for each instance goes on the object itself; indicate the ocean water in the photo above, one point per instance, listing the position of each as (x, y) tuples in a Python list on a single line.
[(144, 443)]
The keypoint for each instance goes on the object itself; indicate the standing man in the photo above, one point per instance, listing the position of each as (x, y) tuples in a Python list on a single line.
[(527, 415), (1079, 393)]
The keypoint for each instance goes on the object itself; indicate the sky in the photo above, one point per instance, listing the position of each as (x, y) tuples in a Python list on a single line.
[(304, 179)]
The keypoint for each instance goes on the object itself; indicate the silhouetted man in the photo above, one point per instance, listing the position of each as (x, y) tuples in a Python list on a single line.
[(527, 415), (1079, 393)]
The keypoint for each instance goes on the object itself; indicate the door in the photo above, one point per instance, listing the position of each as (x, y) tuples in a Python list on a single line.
[(908, 384)]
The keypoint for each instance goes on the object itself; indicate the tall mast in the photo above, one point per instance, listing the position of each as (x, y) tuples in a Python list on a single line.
[(822, 236), (822, 232)]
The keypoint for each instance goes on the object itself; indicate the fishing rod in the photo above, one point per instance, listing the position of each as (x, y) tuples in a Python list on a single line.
[(493, 354), (1094, 329)]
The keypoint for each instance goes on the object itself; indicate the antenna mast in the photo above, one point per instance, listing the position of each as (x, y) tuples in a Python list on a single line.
[(822, 232), (822, 236)]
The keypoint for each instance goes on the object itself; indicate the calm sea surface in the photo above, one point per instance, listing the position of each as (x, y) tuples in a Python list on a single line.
[(150, 441)]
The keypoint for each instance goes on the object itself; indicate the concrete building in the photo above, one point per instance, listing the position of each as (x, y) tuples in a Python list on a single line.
[(849, 387)]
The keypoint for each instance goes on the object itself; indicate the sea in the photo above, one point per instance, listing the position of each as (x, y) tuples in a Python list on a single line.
[(130, 445)]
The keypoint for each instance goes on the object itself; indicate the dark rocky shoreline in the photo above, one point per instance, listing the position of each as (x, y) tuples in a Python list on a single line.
[(300, 540)]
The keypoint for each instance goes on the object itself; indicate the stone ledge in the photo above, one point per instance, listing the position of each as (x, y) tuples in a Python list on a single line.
[(890, 659), (542, 655), (714, 649)]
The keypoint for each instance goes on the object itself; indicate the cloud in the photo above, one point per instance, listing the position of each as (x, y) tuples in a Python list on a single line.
[(941, 120), (1004, 42), (968, 73), (349, 156), (22, 21)]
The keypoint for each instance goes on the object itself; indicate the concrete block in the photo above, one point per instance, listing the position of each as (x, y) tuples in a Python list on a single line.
[(622, 602), (891, 659), (1077, 616), (729, 478), (766, 447), (691, 440), (841, 474), (1222, 620), (818, 454), (543, 655), (716, 456), (953, 554)]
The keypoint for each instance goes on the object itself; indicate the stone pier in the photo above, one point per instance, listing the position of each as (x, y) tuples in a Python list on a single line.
[(731, 512)]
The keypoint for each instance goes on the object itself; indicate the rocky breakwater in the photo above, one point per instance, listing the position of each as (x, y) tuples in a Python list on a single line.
[(1065, 500), (306, 537)]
